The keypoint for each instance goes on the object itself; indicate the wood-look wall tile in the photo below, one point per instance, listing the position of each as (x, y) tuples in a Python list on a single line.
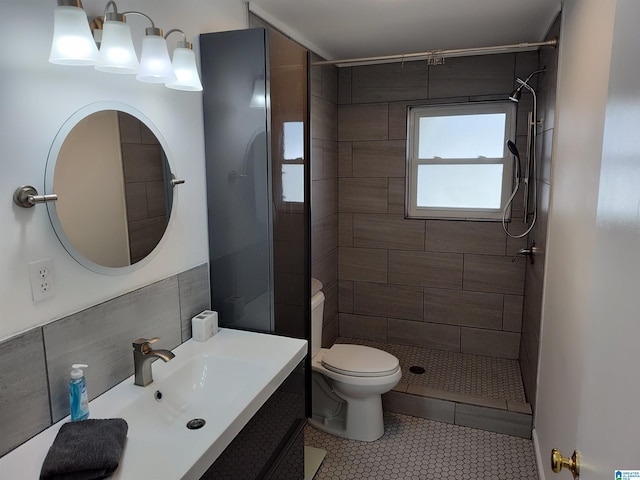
[(492, 343), (423, 334), (330, 302), (324, 236), (461, 236), (142, 163), (330, 332), (512, 315), (24, 404), (325, 268), (425, 269), (470, 309), (379, 159), (388, 300), (329, 159), (457, 397), (136, 198), (389, 82), (345, 159), (362, 195), (396, 196), (324, 159), (129, 128), (494, 420), (362, 264), (345, 229), (529, 365), (514, 245), (398, 120), (324, 198), (324, 81), (107, 331), (344, 85), (144, 236), (525, 105), (548, 84), (345, 296), (491, 273), (317, 151), (544, 156), (156, 199), (193, 287), (388, 231), (363, 122), (363, 326), (324, 117), (417, 406), (476, 75)]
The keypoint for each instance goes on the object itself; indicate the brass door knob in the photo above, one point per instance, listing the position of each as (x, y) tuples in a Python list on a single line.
[(558, 462)]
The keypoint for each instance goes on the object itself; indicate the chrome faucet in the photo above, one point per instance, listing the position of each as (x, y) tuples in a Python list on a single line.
[(143, 355)]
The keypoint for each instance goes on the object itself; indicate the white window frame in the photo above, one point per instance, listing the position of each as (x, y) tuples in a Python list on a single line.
[(412, 210)]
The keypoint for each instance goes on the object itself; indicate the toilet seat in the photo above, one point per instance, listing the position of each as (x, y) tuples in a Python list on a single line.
[(359, 361)]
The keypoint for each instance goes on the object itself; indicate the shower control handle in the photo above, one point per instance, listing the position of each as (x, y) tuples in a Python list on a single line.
[(527, 252)]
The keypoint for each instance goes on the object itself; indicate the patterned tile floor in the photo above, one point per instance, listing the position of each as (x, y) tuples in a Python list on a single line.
[(418, 449), (464, 373)]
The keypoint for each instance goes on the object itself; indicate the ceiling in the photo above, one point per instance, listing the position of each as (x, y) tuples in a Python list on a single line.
[(339, 29)]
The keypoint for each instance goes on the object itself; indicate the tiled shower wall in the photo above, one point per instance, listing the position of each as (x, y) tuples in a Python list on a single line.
[(534, 277), (324, 191), (452, 285), (35, 365), (142, 161)]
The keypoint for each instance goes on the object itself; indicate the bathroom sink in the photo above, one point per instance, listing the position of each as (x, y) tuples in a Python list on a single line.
[(200, 388), (223, 381)]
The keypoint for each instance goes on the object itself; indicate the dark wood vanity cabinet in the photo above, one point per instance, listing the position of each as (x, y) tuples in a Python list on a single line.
[(255, 105)]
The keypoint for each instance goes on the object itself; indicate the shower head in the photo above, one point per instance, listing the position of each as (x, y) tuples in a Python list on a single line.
[(513, 149), (516, 160), (517, 93)]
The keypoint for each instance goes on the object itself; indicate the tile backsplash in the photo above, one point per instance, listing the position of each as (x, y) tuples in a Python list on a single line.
[(34, 366)]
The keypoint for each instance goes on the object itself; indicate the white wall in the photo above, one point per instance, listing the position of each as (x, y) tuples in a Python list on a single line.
[(583, 76), (37, 97)]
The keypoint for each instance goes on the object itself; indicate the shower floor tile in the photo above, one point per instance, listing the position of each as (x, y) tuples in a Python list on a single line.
[(419, 449), (463, 373)]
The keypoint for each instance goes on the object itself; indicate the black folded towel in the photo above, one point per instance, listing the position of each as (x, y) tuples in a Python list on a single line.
[(86, 450)]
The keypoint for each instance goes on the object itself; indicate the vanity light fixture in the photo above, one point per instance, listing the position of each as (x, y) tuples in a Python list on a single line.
[(155, 64), (117, 54), (184, 65), (72, 41)]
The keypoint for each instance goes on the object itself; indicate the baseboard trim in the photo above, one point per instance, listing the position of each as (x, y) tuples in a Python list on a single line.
[(536, 448)]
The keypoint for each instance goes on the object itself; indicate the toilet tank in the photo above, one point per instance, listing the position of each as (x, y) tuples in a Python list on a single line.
[(317, 311)]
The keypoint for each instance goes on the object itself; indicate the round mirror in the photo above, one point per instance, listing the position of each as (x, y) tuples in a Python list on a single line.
[(110, 170)]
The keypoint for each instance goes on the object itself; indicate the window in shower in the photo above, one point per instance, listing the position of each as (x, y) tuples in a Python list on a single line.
[(458, 164), (293, 162)]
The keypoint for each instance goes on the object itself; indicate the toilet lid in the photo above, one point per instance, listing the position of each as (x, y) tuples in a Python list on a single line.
[(360, 361)]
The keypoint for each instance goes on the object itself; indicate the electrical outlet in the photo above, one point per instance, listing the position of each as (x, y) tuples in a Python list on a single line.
[(42, 281)]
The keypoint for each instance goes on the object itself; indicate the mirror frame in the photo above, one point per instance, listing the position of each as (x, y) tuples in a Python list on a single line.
[(52, 159)]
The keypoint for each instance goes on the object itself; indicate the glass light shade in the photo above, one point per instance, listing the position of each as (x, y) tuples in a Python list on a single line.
[(184, 66), (117, 54), (155, 64), (72, 43)]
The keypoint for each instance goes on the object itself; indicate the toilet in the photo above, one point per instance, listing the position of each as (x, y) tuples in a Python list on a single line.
[(348, 382)]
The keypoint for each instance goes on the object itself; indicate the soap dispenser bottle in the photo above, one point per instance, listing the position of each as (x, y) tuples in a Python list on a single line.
[(78, 399)]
